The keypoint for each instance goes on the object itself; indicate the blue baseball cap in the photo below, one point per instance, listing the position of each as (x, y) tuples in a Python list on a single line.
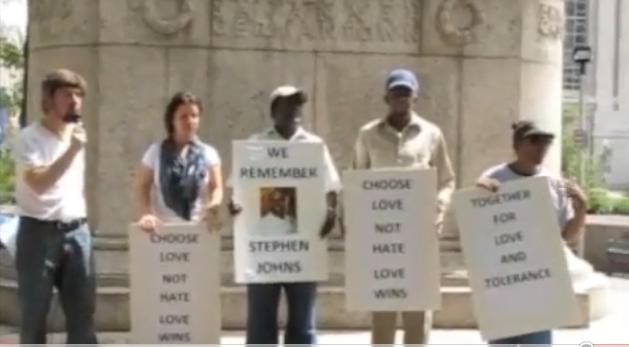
[(404, 78)]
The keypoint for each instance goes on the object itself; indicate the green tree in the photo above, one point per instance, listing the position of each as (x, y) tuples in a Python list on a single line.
[(12, 58), (11, 55)]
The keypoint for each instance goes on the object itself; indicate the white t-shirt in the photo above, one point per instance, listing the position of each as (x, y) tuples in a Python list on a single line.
[(151, 160), (37, 146), (502, 173), (272, 225)]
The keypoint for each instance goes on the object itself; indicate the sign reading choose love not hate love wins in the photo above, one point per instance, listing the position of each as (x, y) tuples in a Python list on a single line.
[(175, 285), (514, 253), (392, 260), (280, 186)]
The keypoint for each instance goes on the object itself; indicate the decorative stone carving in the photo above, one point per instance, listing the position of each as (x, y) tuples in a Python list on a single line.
[(46, 10), (164, 26), (309, 21), (47, 14), (450, 27), (550, 21)]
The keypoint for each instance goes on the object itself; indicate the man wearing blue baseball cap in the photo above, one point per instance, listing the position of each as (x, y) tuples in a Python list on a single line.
[(404, 139)]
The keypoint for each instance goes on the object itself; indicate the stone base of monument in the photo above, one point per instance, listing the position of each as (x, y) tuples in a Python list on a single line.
[(456, 312)]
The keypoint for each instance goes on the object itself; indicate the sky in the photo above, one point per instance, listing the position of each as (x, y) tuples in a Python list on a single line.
[(13, 14)]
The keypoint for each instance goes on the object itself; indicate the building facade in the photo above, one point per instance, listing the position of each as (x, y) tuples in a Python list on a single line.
[(603, 25)]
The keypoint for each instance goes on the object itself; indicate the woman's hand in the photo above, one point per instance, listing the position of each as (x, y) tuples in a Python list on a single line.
[(148, 223), (213, 217), (577, 195), (489, 184)]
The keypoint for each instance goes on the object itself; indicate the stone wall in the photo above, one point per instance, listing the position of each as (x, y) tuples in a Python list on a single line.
[(607, 243), (483, 64)]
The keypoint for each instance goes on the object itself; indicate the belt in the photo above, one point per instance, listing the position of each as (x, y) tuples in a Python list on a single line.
[(66, 225)]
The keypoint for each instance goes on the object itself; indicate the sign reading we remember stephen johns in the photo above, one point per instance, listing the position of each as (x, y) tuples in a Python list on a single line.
[(515, 257), (280, 186)]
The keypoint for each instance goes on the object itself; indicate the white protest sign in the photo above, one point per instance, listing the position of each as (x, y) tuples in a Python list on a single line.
[(513, 250), (280, 186), (175, 285), (391, 248)]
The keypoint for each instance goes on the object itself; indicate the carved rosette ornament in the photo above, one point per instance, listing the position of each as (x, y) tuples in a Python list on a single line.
[(551, 21), (164, 26), (456, 33)]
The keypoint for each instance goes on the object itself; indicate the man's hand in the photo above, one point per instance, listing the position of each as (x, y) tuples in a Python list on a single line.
[(439, 221), (234, 208), (213, 217), (328, 224), (148, 223), (488, 183), (79, 137), (576, 194), (342, 225)]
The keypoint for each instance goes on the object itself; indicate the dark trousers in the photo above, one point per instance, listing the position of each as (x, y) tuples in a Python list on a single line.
[(49, 255), (263, 301), (538, 338)]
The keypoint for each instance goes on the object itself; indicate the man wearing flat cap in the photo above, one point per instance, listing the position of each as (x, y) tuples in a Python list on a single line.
[(263, 298), (404, 139)]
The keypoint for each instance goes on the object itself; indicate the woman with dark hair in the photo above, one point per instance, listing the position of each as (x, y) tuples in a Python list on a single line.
[(180, 178)]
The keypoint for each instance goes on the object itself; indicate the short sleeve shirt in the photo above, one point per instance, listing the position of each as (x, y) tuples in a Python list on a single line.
[(563, 206), (35, 147), (151, 160)]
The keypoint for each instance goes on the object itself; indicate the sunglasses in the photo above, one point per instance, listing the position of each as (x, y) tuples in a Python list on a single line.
[(540, 139)]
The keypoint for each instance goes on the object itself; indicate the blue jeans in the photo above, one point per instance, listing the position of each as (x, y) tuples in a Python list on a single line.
[(538, 338), (48, 256), (263, 300)]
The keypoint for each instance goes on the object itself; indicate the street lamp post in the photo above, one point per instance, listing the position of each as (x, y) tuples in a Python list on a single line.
[(582, 55)]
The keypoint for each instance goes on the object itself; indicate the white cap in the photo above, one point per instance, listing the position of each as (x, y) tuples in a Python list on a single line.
[(286, 91)]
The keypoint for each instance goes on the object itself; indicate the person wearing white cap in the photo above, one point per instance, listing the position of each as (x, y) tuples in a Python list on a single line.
[(263, 299), (404, 139)]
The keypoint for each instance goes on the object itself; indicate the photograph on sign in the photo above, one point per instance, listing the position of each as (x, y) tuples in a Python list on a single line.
[(514, 254), (280, 186), (175, 285), (391, 248), (278, 212)]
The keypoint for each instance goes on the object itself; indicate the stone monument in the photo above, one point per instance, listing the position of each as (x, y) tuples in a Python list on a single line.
[(482, 65)]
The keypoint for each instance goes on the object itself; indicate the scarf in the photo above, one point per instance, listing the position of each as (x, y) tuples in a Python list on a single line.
[(181, 178)]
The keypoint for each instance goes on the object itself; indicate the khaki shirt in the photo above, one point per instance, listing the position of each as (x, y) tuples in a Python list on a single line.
[(419, 145)]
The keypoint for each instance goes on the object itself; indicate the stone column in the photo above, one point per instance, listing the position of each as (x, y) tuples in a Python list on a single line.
[(482, 63)]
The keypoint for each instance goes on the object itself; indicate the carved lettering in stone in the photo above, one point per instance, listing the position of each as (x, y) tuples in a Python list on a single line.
[(165, 26), (550, 21), (296, 25), (355, 27), (387, 29), (325, 19), (458, 20), (412, 23), (313, 21), (219, 27)]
